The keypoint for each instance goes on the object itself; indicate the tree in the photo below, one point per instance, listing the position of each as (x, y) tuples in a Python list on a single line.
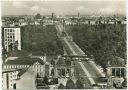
[(61, 86), (38, 16), (46, 80), (52, 72), (16, 45), (70, 84), (38, 76), (10, 47), (39, 39), (4, 54), (52, 62), (79, 84), (103, 41)]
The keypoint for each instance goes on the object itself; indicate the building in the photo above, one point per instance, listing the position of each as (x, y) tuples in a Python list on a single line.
[(23, 68), (35, 55), (8, 78), (116, 72), (35, 64), (26, 80), (12, 38), (18, 79), (64, 68)]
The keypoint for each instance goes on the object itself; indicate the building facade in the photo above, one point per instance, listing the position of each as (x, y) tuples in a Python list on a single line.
[(8, 79), (12, 37)]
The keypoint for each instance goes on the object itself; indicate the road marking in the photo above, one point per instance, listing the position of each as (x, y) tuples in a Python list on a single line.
[(81, 64), (87, 73), (70, 46)]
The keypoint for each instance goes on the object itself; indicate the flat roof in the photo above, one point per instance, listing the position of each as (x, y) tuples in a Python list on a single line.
[(24, 61), (12, 27)]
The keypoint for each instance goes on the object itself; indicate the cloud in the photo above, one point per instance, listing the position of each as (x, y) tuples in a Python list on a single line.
[(18, 4), (34, 8), (111, 10), (39, 9), (80, 8)]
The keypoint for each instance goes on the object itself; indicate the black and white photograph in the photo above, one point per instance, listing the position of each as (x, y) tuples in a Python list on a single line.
[(68, 44)]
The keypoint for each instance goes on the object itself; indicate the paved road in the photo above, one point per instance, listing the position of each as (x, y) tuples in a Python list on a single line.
[(89, 71)]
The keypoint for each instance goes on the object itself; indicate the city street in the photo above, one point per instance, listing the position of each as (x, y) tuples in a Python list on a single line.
[(89, 71)]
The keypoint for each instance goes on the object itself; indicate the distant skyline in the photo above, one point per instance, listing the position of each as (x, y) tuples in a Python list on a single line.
[(105, 7)]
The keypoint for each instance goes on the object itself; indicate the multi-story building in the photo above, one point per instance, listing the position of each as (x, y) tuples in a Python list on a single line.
[(8, 78), (18, 79), (116, 71), (22, 69), (35, 64), (12, 37)]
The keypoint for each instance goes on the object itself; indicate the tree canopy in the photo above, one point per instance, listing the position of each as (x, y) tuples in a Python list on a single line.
[(37, 39), (104, 42), (70, 84), (79, 84)]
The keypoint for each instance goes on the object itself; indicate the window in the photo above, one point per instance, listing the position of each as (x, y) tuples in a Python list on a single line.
[(4, 66), (14, 86), (113, 71), (118, 72), (122, 72), (10, 30), (10, 36)]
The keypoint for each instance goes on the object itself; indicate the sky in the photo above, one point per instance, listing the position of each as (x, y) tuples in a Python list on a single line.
[(92, 7)]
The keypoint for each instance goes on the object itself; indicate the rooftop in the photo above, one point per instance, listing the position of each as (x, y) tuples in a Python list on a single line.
[(24, 61), (22, 72), (9, 70)]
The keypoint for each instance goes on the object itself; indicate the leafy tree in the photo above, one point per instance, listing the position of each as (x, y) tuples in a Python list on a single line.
[(39, 39), (52, 72), (70, 84), (61, 86), (79, 84), (46, 80), (38, 16), (103, 41)]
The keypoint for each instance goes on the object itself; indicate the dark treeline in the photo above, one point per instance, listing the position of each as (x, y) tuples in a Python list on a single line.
[(104, 42), (40, 40)]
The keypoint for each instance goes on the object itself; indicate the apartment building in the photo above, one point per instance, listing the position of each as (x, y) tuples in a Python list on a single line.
[(22, 69), (12, 37), (8, 78)]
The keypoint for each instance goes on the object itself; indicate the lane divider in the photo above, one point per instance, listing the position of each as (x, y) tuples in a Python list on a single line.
[(87, 73), (81, 64)]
